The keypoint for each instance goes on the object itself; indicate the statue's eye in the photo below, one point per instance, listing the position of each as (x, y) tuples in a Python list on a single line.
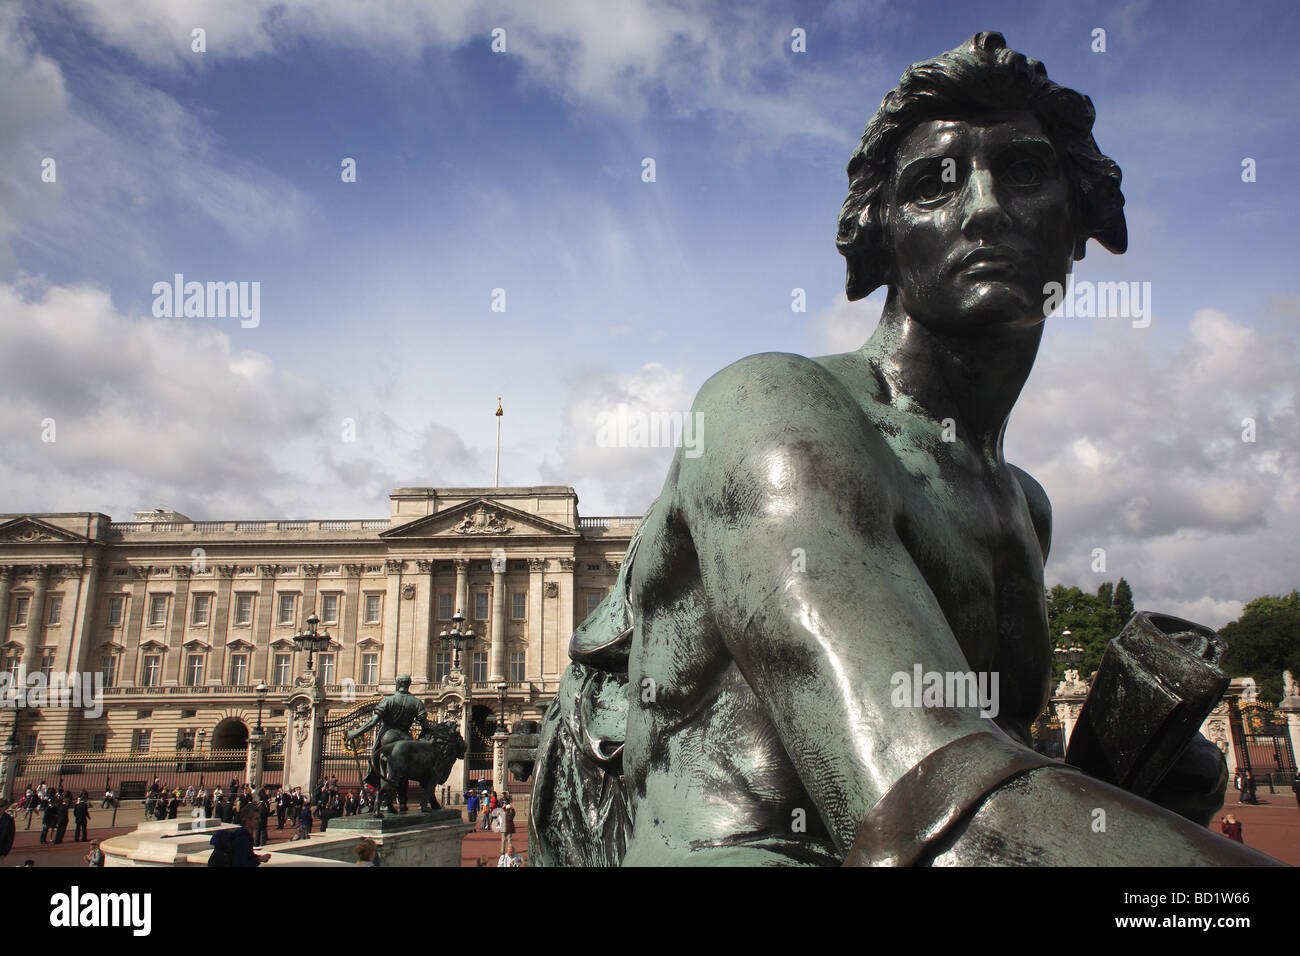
[(928, 188), (1026, 172)]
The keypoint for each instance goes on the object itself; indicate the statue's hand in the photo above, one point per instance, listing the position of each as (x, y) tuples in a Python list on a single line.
[(1195, 785)]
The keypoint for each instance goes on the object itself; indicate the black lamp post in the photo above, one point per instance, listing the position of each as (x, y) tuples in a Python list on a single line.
[(1067, 652), (311, 640), (502, 687), (203, 736), (457, 639), (260, 689)]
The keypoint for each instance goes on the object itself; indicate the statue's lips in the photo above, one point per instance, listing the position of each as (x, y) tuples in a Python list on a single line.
[(993, 261)]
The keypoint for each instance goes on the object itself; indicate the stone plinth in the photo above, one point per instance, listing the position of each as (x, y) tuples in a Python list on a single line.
[(406, 839), (409, 839)]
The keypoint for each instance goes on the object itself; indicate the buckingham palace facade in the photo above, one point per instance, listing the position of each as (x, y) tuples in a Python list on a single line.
[(184, 619)]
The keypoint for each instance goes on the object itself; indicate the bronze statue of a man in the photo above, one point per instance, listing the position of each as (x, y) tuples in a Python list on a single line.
[(393, 718), (853, 519)]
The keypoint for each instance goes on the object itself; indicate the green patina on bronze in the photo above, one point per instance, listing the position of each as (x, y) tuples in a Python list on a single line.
[(853, 517)]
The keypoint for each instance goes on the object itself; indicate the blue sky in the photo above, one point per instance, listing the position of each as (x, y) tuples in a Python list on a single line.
[(522, 171)]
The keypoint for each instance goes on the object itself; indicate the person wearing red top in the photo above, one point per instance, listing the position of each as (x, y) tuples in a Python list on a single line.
[(1232, 828)]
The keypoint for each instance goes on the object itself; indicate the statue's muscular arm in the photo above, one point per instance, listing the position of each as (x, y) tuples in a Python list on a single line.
[(791, 462)]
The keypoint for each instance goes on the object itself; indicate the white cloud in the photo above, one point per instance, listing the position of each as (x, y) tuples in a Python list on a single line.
[(698, 56), (149, 411), (846, 326), (1141, 451), (629, 478)]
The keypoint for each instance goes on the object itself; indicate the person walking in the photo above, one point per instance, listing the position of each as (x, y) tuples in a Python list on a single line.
[(281, 808), (263, 817), (108, 798), (304, 822), (1232, 828), (49, 820), (64, 810), (471, 805), (81, 816)]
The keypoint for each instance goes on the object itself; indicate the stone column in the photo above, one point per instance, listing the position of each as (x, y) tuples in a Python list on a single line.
[(6, 582), (565, 623), (36, 621), (133, 633), (1290, 706), (423, 630), (8, 765), (307, 731), (462, 587), (1067, 702), (352, 611), (388, 655), (262, 626), (253, 764), (499, 755), (176, 632), (497, 650), (83, 626), (221, 621), (535, 654)]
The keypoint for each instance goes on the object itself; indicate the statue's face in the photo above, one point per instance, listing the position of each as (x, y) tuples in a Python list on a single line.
[(978, 218)]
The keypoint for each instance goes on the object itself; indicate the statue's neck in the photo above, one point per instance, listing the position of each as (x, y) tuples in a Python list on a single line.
[(972, 379)]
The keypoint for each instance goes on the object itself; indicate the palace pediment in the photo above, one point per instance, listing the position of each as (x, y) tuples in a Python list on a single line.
[(479, 518), (26, 530)]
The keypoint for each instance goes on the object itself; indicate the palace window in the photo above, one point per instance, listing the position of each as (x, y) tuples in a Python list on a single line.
[(370, 668), (157, 610), (13, 664), (108, 666), (329, 608), (442, 666), (444, 607), (47, 664), (479, 671), (116, 607), (202, 602), (239, 669), (374, 604), (29, 743), (518, 605), (281, 674), (99, 743), (55, 613), (517, 666), (593, 567), (21, 605), (480, 605), (150, 670), (285, 615), (593, 602), (243, 609), (326, 668), (194, 670), (141, 742), (185, 739)]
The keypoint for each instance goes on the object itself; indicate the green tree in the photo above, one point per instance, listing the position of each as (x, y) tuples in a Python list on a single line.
[(1091, 619), (1123, 602), (1264, 642)]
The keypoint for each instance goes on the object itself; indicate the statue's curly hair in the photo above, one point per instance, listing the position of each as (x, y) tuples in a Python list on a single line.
[(980, 75)]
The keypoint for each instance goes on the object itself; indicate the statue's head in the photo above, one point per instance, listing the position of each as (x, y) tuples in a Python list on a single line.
[(976, 149), (403, 683)]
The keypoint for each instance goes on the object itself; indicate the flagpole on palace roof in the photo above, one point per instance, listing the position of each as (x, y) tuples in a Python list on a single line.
[(497, 480)]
